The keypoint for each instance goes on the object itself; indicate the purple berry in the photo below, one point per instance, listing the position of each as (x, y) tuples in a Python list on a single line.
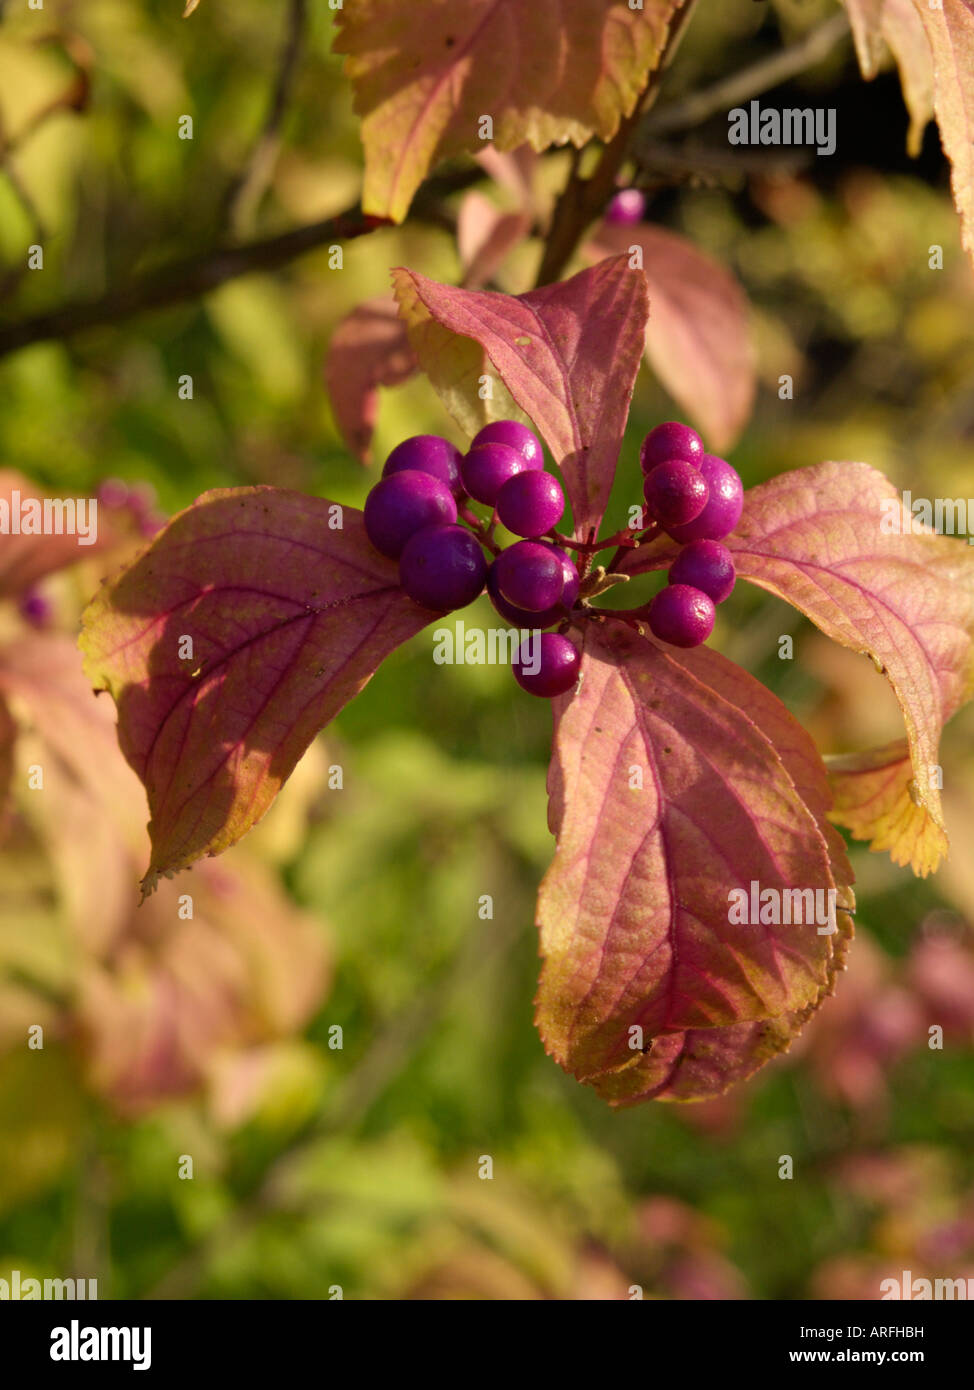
[(35, 607), (516, 436), (570, 592), (681, 615), (723, 510), (626, 207), (547, 617), (675, 492), (530, 575), (522, 617), (428, 453), (487, 468), (546, 665), (531, 503), (443, 567), (404, 503), (705, 565), (670, 441)]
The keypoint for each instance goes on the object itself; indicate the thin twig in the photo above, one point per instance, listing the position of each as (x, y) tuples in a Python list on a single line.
[(198, 275), (582, 200), (749, 82), (245, 193)]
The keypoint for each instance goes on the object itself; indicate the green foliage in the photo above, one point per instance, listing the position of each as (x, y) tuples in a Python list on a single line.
[(358, 1167)]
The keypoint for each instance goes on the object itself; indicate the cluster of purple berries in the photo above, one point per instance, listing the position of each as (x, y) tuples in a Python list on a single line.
[(696, 498), (411, 515)]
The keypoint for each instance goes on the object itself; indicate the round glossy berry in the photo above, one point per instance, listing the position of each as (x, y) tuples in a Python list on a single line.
[(530, 575), (675, 492), (705, 565), (521, 617), (546, 617), (443, 567), (626, 207), (487, 468), (570, 592), (531, 503), (723, 509), (681, 615), (428, 453), (546, 665), (670, 441), (402, 504), (515, 436)]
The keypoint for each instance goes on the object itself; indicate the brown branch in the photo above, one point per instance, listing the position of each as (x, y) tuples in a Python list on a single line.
[(582, 200), (197, 275), (248, 188)]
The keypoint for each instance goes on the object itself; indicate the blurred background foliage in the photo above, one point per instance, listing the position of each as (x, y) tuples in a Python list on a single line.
[(355, 908)]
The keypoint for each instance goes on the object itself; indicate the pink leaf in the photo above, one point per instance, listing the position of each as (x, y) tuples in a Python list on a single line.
[(836, 541), (568, 354), (950, 31), (513, 171), (91, 812), (545, 73), (369, 348), (822, 539), (26, 558), (485, 237), (635, 910), (287, 619), (697, 338), (176, 998)]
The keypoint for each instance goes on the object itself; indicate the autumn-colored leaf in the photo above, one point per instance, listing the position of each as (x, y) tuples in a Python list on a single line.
[(369, 348), (485, 237), (514, 171), (875, 799), (698, 338), (544, 73), (634, 912), (89, 808), (823, 539), (245, 626), (567, 354), (26, 558), (950, 32), (836, 541), (176, 995), (895, 24)]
